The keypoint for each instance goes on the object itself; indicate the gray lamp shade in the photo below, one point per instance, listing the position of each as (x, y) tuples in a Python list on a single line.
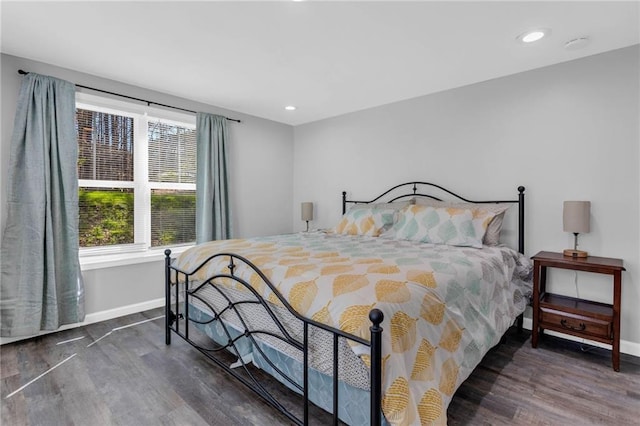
[(576, 216), (307, 211)]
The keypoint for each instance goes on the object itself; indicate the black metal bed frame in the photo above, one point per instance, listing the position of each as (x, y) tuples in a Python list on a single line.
[(173, 319)]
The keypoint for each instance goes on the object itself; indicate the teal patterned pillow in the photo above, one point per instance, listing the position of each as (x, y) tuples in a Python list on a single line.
[(492, 236), (452, 226)]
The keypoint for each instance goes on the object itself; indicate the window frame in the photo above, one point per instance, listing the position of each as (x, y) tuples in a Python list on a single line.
[(142, 116)]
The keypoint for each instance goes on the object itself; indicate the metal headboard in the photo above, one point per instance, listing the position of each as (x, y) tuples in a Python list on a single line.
[(415, 186)]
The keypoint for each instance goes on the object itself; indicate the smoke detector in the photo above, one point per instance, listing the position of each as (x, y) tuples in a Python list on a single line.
[(576, 43)]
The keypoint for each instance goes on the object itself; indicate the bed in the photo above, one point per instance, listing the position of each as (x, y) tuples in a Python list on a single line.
[(378, 320)]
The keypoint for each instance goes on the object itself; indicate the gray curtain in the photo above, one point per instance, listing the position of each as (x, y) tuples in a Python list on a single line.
[(41, 285), (213, 213)]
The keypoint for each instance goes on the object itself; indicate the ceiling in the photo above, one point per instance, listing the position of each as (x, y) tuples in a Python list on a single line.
[(326, 58)]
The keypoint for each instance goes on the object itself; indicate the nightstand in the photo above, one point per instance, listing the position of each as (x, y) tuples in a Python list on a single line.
[(578, 317)]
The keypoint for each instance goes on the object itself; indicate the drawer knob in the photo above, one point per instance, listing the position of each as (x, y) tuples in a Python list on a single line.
[(581, 327)]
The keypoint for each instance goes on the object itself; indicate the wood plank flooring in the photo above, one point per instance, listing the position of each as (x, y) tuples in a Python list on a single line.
[(130, 377)]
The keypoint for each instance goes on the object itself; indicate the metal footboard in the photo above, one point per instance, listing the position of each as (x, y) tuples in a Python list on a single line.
[(178, 321)]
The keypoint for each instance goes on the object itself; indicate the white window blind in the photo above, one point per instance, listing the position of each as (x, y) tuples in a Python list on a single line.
[(172, 153), (105, 146)]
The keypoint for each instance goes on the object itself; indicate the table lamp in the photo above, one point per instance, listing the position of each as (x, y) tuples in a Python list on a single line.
[(575, 219), (307, 213)]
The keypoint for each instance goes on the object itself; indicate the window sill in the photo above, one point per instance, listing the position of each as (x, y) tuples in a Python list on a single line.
[(88, 263)]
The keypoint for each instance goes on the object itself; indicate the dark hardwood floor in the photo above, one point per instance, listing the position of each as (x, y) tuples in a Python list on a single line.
[(130, 377)]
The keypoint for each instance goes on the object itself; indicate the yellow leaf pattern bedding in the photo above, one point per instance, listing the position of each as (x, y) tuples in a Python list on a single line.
[(444, 306)]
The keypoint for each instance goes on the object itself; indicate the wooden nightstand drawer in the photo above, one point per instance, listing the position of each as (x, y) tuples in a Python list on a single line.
[(575, 324)]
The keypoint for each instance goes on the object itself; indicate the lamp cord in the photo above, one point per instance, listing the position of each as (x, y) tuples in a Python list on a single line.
[(583, 348)]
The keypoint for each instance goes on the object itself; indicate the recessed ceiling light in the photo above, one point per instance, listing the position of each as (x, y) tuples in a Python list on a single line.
[(290, 108), (533, 35)]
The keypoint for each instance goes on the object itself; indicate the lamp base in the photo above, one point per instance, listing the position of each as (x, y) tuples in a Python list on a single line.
[(575, 253)]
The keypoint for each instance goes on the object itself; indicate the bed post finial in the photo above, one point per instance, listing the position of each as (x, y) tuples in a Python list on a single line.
[(376, 316)]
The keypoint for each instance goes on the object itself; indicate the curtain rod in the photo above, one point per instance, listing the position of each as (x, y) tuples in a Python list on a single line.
[(22, 72)]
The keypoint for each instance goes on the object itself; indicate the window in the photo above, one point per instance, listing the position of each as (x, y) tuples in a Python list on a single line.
[(137, 176), (172, 176)]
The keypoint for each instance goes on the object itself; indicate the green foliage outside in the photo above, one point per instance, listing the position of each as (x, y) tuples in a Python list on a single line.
[(106, 217), (173, 218)]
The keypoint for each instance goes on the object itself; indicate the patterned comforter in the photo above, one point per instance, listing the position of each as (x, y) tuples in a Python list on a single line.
[(444, 306)]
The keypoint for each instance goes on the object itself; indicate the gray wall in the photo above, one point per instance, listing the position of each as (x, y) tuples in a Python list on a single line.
[(565, 132), (261, 175)]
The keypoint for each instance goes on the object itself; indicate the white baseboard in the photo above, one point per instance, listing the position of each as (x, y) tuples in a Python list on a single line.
[(122, 311), (626, 347), (96, 317)]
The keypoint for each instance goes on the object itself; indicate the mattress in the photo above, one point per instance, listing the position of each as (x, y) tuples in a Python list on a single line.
[(444, 306)]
